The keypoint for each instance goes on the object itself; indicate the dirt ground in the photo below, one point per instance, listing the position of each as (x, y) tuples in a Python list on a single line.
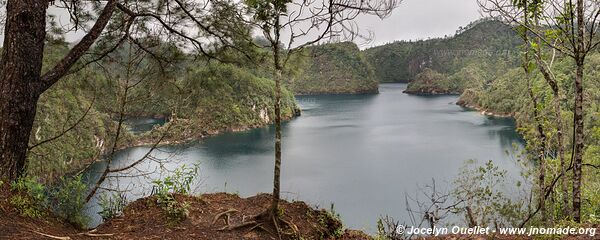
[(144, 219)]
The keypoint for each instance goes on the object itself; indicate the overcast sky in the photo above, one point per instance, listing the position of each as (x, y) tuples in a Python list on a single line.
[(413, 19), (420, 19)]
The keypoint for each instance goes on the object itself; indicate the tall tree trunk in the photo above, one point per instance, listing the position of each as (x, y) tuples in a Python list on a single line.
[(20, 82), (277, 169), (561, 154), (551, 80), (579, 142), (540, 148), (546, 73), (561, 150), (579, 114), (540, 151)]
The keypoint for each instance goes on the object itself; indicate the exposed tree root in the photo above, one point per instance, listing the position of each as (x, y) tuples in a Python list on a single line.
[(268, 222), (92, 233), (235, 227), (52, 236), (225, 215)]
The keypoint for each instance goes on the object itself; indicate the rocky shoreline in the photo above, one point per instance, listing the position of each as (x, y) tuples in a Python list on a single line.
[(430, 92), (461, 102), (149, 140), (200, 135), (484, 111), (354, 92)]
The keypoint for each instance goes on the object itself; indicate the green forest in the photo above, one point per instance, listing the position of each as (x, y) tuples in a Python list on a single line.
[(542, 102), (245, 71)]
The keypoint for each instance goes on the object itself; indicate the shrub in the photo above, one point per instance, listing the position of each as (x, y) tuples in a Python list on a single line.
[(178, 183), (30, 198), (112, 206), (67, 200), (387, 229), (331, 221)]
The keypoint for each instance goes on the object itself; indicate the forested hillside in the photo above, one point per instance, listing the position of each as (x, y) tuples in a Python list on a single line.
[(485, 41), (335, 68), (76, 124), (509, 94)]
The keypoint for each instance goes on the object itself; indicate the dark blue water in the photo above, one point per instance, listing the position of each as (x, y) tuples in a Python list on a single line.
[(362, 152)]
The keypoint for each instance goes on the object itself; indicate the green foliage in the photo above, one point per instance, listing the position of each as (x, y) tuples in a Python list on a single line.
[(430, 82), (112, 205), (265, 11), (179, 183), (333, 215), (30, 197), (70, 102), (331, 221), (334, 68), (507, 93), (223, 96), (387, 229), (67, 200), (486, 41), (480, 189), (493, 95), (196, 99)]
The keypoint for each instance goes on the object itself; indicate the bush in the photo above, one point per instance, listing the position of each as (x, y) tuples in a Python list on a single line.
[(30, 198), (112, 206), (67, 200), (178, 183), (387, 229), (331, 221)]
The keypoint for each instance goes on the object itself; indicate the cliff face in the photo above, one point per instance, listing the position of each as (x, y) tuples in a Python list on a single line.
[(338, 68)]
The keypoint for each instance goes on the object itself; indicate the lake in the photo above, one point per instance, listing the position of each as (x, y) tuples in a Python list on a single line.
[(363, 153)]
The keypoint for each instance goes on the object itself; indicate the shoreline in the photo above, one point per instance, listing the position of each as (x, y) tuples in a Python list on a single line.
[(359, 92), (429, 93), (142, 140), (462, 103), (484, 111)]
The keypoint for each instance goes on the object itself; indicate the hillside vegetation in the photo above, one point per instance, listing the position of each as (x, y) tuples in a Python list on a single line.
[(76, 124), (507, 94), (335, 68), (482, 44)]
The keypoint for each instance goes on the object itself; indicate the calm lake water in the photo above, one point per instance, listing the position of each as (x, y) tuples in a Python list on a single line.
[(363, 153)]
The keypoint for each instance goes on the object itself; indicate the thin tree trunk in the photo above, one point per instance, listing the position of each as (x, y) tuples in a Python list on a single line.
[(20, 82), (540, 147), (539, 152), (544, 69), (579, 142), (579, 114), (561, 155), (551, 80), (277, 169), (122, 109)]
